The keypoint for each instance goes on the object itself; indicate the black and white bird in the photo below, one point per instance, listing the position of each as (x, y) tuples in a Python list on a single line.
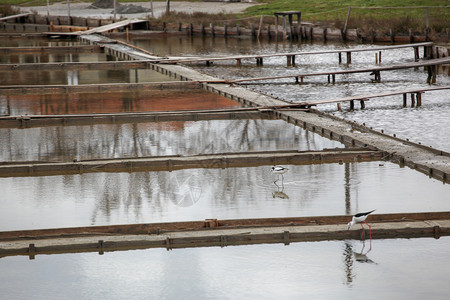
[(279, 170), (361, 218)]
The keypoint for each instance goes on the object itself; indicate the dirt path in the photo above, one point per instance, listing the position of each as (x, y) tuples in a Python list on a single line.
[(82, 10)]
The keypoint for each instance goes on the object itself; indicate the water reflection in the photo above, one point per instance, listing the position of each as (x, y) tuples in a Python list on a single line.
[(66, 143), (418, 124), (199, 194), (133, 101), (300, 270)]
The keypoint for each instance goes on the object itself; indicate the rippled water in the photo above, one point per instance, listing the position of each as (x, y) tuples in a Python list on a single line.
[(393, 269), (91, 103), (413, 268), (64, 143), (198, 194), (422, 124)]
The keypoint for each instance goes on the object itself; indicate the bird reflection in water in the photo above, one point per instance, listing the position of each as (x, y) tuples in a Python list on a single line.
[(362, 256), (350, 257), (280, 194)]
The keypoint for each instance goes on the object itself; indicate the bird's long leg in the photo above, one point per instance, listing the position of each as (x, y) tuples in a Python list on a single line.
[(370, 230), (362, 234)]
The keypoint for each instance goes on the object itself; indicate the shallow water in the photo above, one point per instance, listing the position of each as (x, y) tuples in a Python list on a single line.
[(199, 194), (422, 124), (117, 102), (413, 268), (393, 269), (65, 143)]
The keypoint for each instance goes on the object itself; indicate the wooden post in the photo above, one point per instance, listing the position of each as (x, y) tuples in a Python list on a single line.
[(346, 20), (352, 105), (376, 58), (363, 104), (191, 29), (151, 8), (339, 107), (168, 7), (340, 57), (276, 28), (419, 99), (404, 100), (225, 30), (260, 26), (238, 62), (288, 60), (293, 60), (349, 57), (416, 53), (391, 33), (379, 57), (334, 78), (413, 100)]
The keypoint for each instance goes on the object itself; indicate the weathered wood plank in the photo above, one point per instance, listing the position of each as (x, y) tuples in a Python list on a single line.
[(52, 49), (30, 121), (221, 160), (431, 62), (235, 57), (103, 65), (221, 233), (95, 88)]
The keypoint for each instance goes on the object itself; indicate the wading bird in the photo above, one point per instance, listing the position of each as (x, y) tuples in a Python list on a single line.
[(279, 170), (361, 218)]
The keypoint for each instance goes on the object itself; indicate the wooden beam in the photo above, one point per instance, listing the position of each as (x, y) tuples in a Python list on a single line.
[(220, 160), (95, 88), (52, 49), (103, 65), (219, 233)]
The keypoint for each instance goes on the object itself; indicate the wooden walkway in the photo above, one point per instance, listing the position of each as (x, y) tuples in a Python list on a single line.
[(299, 78), (100, 29), (217, 233), (101, 65), (30, 121), (95, 88), (417, 92), (51, 49), (291, 56), (15, 17), (170, 163)]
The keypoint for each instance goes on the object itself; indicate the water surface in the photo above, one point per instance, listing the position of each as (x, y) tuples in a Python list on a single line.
[(316, 270)]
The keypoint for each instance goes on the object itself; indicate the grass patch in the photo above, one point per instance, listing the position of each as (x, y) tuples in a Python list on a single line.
[(382, 15)]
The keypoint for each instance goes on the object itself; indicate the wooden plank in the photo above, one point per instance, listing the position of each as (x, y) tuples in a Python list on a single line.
[(371, 96), (52, 49), (30, 121), (431, 62), (155, 228), (235, 57), (95, 88), (112, 26), (15, 16), (220, 160), (102, 65), (221, 233)]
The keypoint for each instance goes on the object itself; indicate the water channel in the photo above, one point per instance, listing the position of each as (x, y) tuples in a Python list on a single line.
[(413, 268), (393, 269)]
